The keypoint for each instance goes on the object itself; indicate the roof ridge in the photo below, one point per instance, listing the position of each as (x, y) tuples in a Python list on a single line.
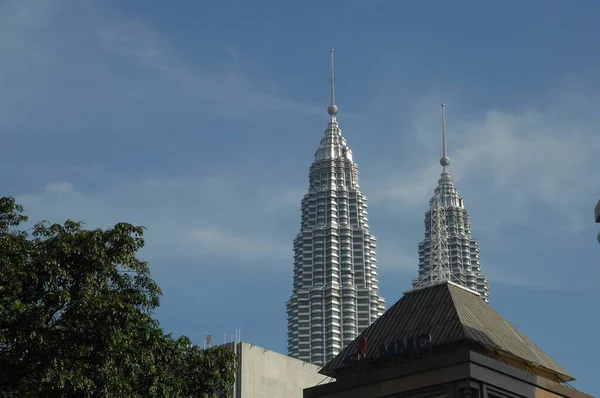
[(441, 283)]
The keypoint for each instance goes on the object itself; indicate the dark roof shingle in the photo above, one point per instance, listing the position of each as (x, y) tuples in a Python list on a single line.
[(449, 313)]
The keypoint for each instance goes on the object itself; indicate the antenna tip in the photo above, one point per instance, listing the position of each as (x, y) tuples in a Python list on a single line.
[(443, 105), (333, 109), (332, 50)]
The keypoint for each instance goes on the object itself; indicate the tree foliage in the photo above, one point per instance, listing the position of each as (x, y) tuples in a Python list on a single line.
[(76, 318)]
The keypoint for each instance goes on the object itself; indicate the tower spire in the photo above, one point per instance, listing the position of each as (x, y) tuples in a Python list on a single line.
[(333, 109), (445, 160)]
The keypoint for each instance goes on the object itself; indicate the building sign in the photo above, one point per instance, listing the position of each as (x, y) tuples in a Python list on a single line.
[(397, 350), (408, 347)]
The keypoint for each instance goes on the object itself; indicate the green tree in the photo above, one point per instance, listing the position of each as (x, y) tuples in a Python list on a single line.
[(76, 318)]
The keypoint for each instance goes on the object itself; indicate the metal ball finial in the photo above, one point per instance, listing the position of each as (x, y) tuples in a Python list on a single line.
[(445, 161), (332, 110)]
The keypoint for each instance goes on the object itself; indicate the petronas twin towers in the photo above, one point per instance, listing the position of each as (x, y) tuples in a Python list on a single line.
[(335, 288)]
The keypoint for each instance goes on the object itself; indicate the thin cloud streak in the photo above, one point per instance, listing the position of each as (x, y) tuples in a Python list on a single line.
[(39, 50), (184, 218), (509, 165), (214, 240), (232, 89), (527, 178)]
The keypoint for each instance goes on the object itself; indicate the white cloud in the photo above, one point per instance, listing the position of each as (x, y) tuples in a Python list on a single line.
[(60, 187), (393, 259), (288, 200), (188, 219), (407, 187), (541, 281), (529, 178), (214, 240), (234, 52), (512, 162)]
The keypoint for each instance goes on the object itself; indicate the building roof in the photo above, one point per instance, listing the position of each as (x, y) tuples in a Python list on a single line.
[(450, 313)]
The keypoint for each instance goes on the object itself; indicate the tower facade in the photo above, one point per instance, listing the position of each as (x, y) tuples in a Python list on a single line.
[(449, 251), (335, 292)]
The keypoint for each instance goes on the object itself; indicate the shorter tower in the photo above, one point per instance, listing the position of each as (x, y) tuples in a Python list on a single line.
[(449, 252)]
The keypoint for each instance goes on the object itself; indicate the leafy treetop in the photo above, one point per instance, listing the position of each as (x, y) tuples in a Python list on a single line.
[(76, 318)]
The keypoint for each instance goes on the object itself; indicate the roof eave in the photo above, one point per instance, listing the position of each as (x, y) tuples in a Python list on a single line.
[(563, 375)]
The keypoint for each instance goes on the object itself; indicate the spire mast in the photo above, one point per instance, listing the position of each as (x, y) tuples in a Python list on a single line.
[(333, 109), (332, 78), (445, 160)]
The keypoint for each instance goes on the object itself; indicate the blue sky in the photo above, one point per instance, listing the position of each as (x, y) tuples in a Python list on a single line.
[(200, 121)]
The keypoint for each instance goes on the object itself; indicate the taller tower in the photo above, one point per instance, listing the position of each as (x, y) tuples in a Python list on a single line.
[(449, 251), (335, 294)]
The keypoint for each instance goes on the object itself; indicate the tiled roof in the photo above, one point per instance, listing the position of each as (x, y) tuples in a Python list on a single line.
[(449, 314)]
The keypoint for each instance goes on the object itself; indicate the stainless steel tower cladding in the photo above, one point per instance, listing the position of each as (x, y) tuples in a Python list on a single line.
[(335, 289)]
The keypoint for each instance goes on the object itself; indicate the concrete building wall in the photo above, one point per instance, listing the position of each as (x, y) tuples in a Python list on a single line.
[(263, 373)]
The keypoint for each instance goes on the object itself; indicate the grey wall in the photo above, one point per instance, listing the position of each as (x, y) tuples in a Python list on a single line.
[(268, 374)]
